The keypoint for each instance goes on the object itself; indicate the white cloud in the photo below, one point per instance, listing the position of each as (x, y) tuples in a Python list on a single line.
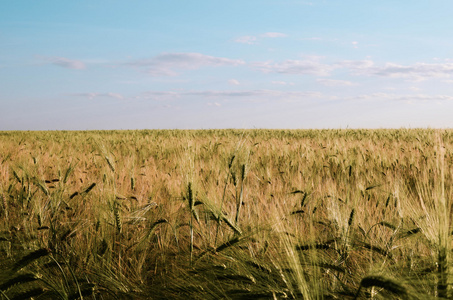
[(165, 64), (334, 82), (312, 39), (99, 95), (66, 63), (415, 89), (215, 97), (246, 40), (356, 65), (274, 34), (415, 72), (114, 95), (424, 97), (282, 83), (298, 67), (227, 94), (250, 39), (158, 95), (405, 98), (170, 64)]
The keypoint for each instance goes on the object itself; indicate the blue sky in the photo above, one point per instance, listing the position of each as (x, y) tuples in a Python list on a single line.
[(77, 65)]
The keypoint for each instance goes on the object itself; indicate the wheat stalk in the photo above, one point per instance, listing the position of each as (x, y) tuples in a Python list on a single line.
[(386, 283)]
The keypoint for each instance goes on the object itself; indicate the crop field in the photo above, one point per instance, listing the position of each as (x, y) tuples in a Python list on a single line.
[(226, 214)]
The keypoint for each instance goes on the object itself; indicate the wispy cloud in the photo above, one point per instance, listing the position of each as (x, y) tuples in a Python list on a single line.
[(233, 82), (277, 82), (252, 93), (247, 39), (312, 67), (312, 39), (334, 82), (229, 94), (99, 95), (415, 89), (355, 65), (316, 66), (250, 39), (415, 72), (167, 64), (273, 35), (66, 63), (408, 98)]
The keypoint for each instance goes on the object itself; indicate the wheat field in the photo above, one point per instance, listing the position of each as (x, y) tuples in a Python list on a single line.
[(226, 214)]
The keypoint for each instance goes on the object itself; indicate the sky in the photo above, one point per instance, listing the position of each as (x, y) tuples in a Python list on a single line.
[(95, 64)]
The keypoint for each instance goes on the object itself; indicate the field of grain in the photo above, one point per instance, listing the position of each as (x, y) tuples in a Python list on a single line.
[(226, 214)]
